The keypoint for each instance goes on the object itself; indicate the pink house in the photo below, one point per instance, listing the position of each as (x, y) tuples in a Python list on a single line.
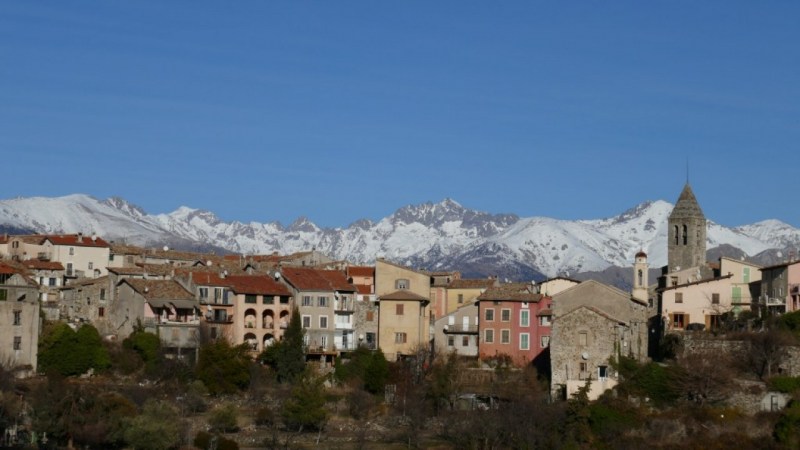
[(514, 320)]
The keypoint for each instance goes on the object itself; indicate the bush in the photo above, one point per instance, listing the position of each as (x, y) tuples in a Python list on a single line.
[(203, 441), (70, 353), (223, 418), (265, 417), (786, 385), (224, 369), (146, 345)]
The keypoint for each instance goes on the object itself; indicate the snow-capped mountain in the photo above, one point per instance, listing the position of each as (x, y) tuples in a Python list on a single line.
[(442, 235)]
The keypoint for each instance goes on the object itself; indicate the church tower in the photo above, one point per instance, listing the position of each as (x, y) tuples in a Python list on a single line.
[(640, 283), (687, 233)]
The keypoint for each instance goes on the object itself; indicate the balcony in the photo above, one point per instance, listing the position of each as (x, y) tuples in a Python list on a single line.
[(460, 329), (152, 321), (775, 301), (219, 319), (344, 306)]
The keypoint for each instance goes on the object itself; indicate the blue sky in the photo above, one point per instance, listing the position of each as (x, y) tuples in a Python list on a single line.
[(342, 110)]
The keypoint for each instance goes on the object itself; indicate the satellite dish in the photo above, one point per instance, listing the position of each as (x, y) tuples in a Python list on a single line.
[(166, 248), (585, 355)]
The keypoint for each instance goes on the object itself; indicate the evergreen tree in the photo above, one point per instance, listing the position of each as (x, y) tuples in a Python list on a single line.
[(305, 408), (224, 369), (287, 357)]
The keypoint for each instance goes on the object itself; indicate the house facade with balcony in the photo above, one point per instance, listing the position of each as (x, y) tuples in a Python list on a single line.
[(261, 310), (163, 307), (514, 322), (458, 331), (82, 256), (318, 293), (780, 287)]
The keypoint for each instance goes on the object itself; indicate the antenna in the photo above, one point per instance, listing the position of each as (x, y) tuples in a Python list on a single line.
[(687, 170)]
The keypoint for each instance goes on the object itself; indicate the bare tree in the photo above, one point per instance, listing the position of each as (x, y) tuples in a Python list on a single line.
[(705, 377), (767, 350)]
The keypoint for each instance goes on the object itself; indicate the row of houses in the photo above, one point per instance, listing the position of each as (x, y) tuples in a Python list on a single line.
[(572, 329)]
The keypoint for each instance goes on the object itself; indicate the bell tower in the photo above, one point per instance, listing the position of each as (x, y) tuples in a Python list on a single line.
[(640, 283), (686, 246)]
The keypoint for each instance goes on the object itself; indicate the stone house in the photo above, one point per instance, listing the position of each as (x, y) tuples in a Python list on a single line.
[(19, 321), (780, 287), (593, 324)]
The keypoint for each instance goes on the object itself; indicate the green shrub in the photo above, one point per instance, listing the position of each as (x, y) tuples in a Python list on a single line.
[(223, 418), (786, 385)]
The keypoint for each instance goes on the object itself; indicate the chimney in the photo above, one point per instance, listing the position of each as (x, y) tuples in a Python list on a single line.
[(80, 237)]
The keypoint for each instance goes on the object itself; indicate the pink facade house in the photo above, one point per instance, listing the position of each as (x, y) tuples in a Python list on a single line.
[(514, 321)]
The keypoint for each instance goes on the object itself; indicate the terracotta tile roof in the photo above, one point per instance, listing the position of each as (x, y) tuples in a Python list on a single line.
[(482, 283), (258, 285), (783, 264), (361, 271), (363, 289), (5, 269), (159, 289), (4, 239), (89, 282), (515, 292), (37, 264), (545, 312), (305, 279), (76, 240), (205, 278), (403, 295)]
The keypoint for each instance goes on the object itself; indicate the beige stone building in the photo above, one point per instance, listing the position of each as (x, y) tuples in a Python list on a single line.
[(462, 292), (82, 256), (404, 325), (458, 331), (19, 321), (593, 324)]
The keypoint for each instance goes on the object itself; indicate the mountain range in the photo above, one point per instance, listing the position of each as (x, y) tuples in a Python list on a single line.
[(433, 236)]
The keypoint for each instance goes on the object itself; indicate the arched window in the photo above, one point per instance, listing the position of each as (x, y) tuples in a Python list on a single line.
[(641, 277), (685, 234), (677, 235)]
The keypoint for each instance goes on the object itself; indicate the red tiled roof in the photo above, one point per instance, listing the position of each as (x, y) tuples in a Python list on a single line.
[(258, 285), (5, 269), (37, 264), (206, 278), (363, 289), (305, 279), (76, 240), (361, 271)]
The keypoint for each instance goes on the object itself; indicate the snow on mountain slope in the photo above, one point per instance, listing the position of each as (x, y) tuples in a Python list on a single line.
[(443, 235)]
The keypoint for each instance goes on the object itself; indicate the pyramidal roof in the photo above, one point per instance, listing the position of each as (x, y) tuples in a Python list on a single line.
[(687, 205)]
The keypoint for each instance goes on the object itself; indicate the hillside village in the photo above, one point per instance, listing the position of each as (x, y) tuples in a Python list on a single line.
[(575, 335)]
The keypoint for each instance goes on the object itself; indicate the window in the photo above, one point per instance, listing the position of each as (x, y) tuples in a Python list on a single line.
[(17, 318), (678, 320), (674, 281), (323, 321), (402, 283), (583, 367), (544, 321), (465, 341), (685, 234), (715, 299), (524, 341), (323, 302), (714, 321), (544, 341), (370, 316), (17, 342), (524, 318), (250, 298), (3, 294), (51, 281), (679, 297), (69, 269), (398, 309), (307, 301), (203, 293), (71, 251), (640, 277), (102, 294), (101, 312), (677, 235), (306, 321), (505, 315), (399, 338), (451, 341), (91, 265), (111, 257), (505, 336), (268, 299), (583, 339), (488, 336), (602, 372), (323, 340), (489, 315), (460, 298)]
